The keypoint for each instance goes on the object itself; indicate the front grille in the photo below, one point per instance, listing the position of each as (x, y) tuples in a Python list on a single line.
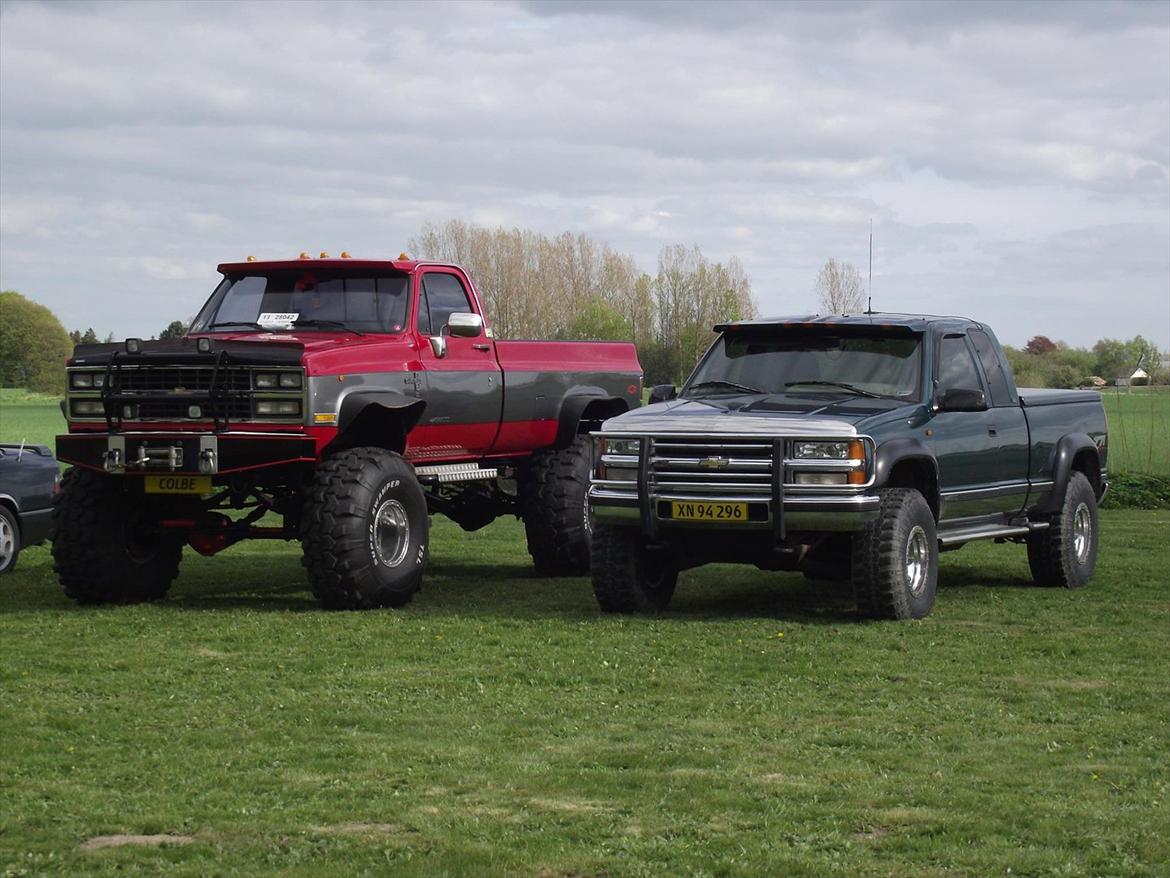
[(151, 379), (235, 408), (703, 467)]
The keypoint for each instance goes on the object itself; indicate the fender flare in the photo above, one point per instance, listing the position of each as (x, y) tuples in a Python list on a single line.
[(1063, 455), (907, 448), (370, 408), (575, 407)]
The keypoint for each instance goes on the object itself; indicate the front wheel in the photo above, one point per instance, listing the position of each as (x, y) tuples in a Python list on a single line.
[(364, 531), (1065, 553), (895, 558), (107, 546), (627, 576)]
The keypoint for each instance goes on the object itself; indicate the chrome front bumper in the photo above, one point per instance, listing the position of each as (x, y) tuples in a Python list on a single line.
[(810, 512)]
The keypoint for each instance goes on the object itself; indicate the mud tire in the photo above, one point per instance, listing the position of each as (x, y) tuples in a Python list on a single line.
[(902, 539), (1057, 556), (628, 578), (555, 508)]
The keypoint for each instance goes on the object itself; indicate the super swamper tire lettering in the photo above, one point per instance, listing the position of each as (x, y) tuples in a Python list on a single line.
[(554, 506), (106, 548), (895, 558), (364, 530), (1065, 553)]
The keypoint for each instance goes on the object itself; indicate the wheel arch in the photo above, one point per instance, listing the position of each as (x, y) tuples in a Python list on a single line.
[(582, 408), (907, 463), (1075, 452), (378, 417)]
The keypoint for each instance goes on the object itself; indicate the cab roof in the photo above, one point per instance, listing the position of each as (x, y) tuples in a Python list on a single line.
[(333, 263), (907, 323)]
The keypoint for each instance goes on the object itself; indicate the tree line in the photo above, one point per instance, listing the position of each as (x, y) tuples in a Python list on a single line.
[(572, 287), (1046, 363)]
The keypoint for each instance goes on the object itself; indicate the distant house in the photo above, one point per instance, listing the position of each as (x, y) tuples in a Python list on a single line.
[(1139, 377)]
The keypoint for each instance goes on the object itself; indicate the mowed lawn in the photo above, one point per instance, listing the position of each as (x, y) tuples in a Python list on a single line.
[(499, 725), (1139, 430)]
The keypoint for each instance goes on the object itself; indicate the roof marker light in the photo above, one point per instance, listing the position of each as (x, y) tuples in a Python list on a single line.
[(402, 257), (304, 255), (251, 258), (345, 254), (323, 255)]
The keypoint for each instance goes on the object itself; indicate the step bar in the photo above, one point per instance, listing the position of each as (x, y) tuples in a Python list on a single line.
[(989, 532), (455, 472)]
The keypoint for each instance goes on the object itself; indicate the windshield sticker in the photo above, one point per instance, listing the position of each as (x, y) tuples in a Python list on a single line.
[(278, 319)]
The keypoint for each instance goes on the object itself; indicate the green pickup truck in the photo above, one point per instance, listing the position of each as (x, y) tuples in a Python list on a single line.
[(851, 448)]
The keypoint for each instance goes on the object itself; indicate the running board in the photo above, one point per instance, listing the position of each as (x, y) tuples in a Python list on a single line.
[(988, 532), (454, 472)]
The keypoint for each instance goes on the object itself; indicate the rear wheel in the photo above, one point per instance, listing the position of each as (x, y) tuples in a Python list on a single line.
[(555, 506), (1065, 554), (9, 539), (895, 558), (107, 546), (628, 577), (364, 531)]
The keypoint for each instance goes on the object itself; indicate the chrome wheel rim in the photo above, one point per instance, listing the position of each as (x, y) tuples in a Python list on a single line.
[(391, 533), (7, 542), (917, 560), (1082, 532)]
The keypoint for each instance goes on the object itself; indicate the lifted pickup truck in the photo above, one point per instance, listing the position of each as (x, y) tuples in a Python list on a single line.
[(850, 448), (350, 397)]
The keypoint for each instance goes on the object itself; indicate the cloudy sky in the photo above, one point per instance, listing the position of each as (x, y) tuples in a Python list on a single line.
[(1014, 158)]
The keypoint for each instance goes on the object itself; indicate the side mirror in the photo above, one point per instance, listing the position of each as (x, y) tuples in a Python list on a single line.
[(662, 393), (464, 324), (963, 399)]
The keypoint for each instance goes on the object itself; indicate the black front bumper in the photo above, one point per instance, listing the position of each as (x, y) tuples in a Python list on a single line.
[(146, 453)]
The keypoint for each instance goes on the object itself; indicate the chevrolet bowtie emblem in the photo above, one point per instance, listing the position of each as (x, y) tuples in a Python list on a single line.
[(713, 463)]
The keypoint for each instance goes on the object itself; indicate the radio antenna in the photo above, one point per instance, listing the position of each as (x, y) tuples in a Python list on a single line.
[(869, 289)]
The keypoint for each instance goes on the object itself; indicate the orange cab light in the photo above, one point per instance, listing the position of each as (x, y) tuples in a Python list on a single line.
[(345, 254), (251, 258), (402, 257), (323, 255), (304, 255)]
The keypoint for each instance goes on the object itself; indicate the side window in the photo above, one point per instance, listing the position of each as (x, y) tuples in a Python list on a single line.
[(443, 295), (1000, 385), (956, 366)]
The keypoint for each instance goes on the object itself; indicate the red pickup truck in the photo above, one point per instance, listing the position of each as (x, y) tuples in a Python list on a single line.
[(348, 398)]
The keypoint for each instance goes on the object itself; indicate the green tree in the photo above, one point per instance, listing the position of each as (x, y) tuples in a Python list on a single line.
[(597, 320), (175, 329), (33, 345)]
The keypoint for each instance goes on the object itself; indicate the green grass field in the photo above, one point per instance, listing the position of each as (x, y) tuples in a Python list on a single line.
[(1139, 430), (499, 725)]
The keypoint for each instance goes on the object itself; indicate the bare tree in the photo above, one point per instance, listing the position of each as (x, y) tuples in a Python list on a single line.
[(839, 288)]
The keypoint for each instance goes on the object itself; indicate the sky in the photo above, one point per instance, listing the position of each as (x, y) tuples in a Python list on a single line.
[(1014, 158)]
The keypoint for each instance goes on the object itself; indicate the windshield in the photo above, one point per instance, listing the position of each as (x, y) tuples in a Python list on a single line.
[(857, 365), (306, 299)]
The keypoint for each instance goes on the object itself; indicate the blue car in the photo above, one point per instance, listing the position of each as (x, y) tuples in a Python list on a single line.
[(29, 477)]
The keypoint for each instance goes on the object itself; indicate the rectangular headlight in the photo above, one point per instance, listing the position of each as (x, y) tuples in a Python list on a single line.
[(278, 407), (87, 407), (266, 380), (81, 379), (620, 446), (821, 450), (290, 379)]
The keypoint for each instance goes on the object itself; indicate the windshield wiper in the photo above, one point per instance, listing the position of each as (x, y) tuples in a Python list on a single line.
[(313, 321), (731, 385), (249, 323), (849, 387)]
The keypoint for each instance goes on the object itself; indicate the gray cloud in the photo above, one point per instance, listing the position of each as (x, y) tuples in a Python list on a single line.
[(997, 146)]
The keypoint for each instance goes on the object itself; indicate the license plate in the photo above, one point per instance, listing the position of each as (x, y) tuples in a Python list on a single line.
[(178, 485), (730, 512)]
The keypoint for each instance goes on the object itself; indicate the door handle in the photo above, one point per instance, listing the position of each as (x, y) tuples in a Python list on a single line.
[(482, 347), (991, 430)]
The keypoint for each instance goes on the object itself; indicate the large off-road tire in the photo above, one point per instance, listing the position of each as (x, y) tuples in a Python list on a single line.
[(555, 508), (627, 577), (364, 530), (1065, 553), (107, 547), (9, 540), (895, 558)]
